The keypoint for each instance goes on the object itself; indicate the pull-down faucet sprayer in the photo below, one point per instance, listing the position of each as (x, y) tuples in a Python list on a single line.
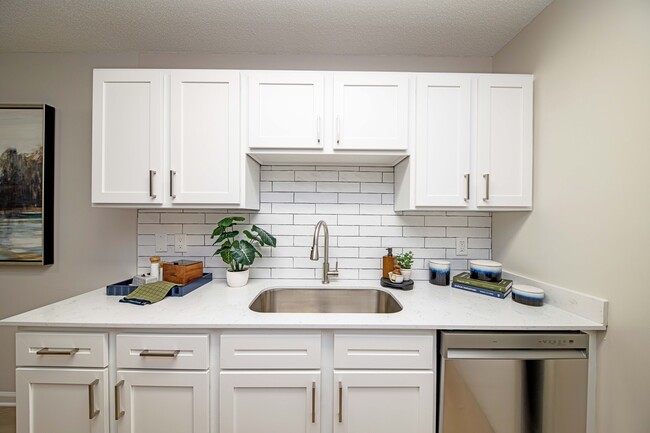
[(314, 252)]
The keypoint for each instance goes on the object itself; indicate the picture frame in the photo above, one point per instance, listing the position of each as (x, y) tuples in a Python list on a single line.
[(26, 184)]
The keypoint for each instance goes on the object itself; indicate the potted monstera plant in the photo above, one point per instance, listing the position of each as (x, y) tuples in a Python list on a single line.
[(238, 249)]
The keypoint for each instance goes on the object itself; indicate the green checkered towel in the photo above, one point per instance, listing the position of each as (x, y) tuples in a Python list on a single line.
[(149, 293)]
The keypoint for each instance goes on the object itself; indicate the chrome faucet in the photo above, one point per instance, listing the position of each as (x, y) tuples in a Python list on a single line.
[(326, 249)]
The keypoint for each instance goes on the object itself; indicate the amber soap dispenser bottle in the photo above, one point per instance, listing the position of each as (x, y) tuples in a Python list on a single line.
[(388, 263)]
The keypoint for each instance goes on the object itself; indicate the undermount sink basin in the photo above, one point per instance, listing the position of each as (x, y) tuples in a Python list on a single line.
[(325, 300)]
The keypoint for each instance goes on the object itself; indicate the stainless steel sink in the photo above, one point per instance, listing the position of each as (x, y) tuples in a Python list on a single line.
[(325, 300)]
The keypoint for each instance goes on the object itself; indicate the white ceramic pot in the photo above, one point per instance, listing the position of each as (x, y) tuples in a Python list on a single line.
[(237, 279), (406, 273)]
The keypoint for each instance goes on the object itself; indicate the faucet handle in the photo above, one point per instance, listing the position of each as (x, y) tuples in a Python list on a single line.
[(335, 272)]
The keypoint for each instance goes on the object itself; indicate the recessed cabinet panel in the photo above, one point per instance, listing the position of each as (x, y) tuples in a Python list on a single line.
[(443, 141), (371, 111), (205, 153), (270, 402), (162, 402), (52, 400), (504, 141), (127, 136), (384, 402), (285, 110)]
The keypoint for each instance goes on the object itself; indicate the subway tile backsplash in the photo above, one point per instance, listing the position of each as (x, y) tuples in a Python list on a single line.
[(356, 203)]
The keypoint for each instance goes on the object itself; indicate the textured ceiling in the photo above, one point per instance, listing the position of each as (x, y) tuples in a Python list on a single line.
[(346, 27)]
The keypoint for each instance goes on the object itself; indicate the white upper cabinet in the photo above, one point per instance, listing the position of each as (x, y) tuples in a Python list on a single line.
[(442, 152), (285, 110), (474, 144), (505, 141), (328, 117), (170, 139), (371, 111), (205, 152), (127, 157)]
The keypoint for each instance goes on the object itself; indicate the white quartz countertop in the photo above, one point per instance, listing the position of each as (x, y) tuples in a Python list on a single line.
[(217, 306)]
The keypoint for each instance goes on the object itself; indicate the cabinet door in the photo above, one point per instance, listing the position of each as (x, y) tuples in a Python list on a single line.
[(285, 110), (384, 402), (442, 152), (269, 402), (371, 111), (505, 141), (205, 157), (127, 136), (52, 400), (162, 401)]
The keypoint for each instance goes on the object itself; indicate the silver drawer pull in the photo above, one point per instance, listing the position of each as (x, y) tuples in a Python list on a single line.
[(313, 402), (160, 353), (119, 413), (92, 412), (467, 186), (487, 187), (172, 173), (63, 352), (340, 401), (151, 175)]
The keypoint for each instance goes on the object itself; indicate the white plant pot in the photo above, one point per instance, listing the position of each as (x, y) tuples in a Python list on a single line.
[(237, 279), (406, 273)]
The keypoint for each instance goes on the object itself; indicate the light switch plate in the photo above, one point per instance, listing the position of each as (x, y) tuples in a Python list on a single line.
[(161, 243)]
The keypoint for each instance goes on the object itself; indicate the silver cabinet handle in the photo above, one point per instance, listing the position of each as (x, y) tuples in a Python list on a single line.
[(338, 129), (92, 412), (64, 352), (318, 129), (340, 401), (467, 186), (172, 173), (119, 413), (160, 353), (487, 186), (313, 402), (152, 173)]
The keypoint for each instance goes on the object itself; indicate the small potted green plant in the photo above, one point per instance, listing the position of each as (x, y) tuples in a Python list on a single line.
[(239, 252), (405, 260)]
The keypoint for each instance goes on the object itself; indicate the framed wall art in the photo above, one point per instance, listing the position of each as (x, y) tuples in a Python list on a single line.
[(26, 184)]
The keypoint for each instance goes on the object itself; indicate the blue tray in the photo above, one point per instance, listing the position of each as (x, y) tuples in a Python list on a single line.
[(124, 288)]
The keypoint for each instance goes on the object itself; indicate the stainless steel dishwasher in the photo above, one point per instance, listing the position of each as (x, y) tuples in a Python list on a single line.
[(513, 382)]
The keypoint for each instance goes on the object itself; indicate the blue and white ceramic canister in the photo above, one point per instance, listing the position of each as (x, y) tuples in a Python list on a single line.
[(486, 270), (439, 271)]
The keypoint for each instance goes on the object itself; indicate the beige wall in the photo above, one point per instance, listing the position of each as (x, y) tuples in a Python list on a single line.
[(94, 247), (590, 228), (91, 246)]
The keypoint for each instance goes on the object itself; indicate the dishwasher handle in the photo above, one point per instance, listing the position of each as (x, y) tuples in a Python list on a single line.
[(514, 354)]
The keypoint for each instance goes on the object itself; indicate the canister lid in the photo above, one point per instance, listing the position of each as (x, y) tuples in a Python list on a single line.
[(529, 291), (485, 263)]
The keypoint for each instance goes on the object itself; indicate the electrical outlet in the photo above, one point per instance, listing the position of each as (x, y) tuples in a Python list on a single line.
[(161, 243), (461, 246), (180, 243)]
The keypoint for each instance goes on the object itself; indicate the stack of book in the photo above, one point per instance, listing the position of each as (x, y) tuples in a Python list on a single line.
[(499, 289)]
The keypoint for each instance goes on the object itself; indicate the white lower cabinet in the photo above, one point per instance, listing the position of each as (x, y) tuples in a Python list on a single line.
[(384, 401), (162, 401), (261, 382), (61, 400), (269, 402), (156, 389)]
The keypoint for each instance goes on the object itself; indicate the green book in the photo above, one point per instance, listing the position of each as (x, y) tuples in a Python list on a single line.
[(501, 286)]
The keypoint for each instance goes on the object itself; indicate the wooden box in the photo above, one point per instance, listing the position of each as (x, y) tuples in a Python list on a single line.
[(182, 271)]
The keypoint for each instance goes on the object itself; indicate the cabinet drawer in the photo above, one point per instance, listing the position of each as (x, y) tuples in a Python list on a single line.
[(383, 351), (176, 352), (54, 349), (270, 351)]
